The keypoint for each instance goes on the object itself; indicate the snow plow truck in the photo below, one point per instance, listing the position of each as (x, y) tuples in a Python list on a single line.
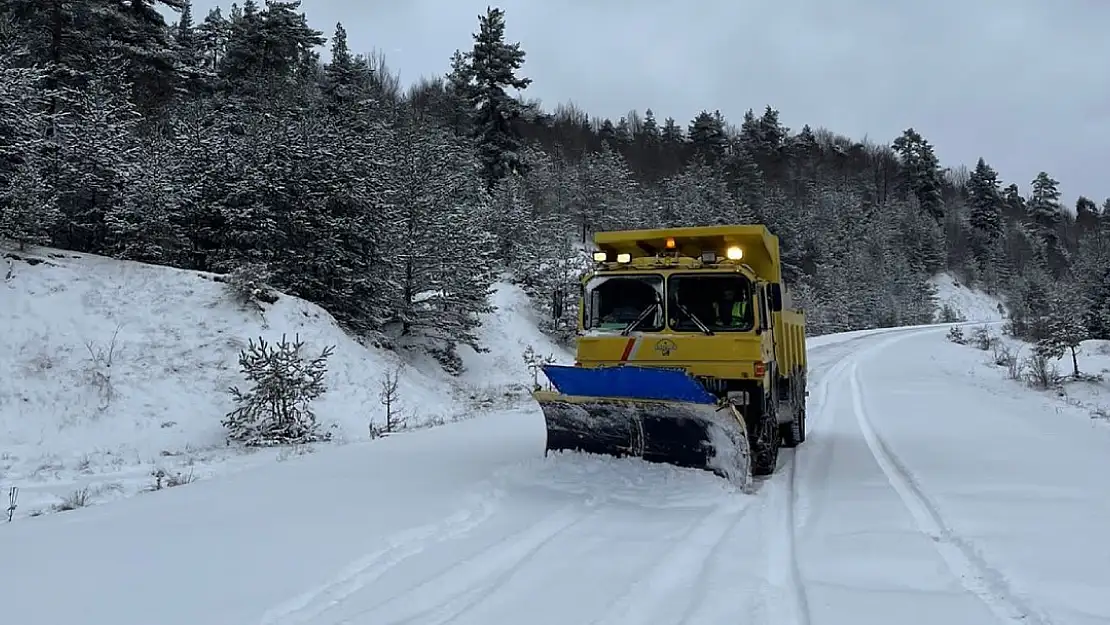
[(689, 352)]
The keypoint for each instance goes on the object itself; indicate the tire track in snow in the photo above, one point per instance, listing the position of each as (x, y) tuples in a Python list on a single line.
[(368, 569), (815, 422), (989, 585), (649, 597), (783, 567), (800, 613), (445, 597)]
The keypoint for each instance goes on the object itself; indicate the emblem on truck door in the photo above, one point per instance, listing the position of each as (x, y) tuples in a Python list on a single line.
[(665, 347)]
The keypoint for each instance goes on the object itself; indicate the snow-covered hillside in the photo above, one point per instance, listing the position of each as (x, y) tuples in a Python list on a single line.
[(114, 371), (961, 303)]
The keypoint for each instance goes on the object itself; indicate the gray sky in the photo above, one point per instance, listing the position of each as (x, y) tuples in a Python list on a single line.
[(1019, 82)]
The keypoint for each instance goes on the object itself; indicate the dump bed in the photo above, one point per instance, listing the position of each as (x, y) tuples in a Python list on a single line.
[(790, 345)]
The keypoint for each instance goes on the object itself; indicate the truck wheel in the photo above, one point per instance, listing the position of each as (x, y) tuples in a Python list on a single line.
[(765, 444), (794, 433)]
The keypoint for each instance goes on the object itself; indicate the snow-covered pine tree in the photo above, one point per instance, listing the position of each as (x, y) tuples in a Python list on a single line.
[(494, 64), (1045, 214), (985, 216), (444, 255), (707, 136), (606, 195), (922, 172), (1066, 322), (212, 35), (98, 152), (347, 78), (467, 255), (284, 382), (148, 224), (28, 212), (515, 225)]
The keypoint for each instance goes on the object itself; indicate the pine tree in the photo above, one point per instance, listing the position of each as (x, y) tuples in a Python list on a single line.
[(284, 383), (148, 223), (922, 170), (347, 79), (1066, 322), (707, 136), (96, 154), (672, 132), (1045, 214), (650, 132), (493, 67), (28, 211), (985, 217)]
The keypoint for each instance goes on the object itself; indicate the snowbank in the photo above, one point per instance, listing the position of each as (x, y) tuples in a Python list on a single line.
[(113, 371), (968, 304), (1009, 360)]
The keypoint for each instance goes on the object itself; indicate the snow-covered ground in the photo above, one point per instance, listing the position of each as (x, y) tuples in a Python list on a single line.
[(929, 491), (111, 372), (967, 304), (931, 487), (1010, 359)]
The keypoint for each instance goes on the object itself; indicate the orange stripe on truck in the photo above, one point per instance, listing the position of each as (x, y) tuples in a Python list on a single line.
[(628, 349)]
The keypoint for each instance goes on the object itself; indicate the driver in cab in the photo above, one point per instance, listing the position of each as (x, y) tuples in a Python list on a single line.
[(730, 311)]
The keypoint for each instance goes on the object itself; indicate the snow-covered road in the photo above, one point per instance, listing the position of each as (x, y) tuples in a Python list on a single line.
[(926, 493)]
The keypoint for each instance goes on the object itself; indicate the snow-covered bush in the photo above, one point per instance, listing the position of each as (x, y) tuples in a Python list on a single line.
[(982, 338), (1003, 355), (1041, 373), (276, 409), (248, 285), (956, 335)]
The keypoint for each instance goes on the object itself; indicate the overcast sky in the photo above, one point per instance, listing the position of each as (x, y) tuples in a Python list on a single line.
[(1021, 83)]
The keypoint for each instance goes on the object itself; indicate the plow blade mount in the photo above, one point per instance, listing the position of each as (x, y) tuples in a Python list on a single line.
[(659, 415)]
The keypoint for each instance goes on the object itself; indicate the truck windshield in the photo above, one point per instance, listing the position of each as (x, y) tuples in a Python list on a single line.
[(723, 303), (615, 302)]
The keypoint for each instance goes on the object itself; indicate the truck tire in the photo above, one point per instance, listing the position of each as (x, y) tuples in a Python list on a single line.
[(764, 440), (794, 433)]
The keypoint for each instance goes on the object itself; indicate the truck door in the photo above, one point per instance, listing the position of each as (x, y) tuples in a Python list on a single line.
[(766, 325)]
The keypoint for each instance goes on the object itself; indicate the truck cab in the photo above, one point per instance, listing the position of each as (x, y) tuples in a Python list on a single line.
[(706, 300)]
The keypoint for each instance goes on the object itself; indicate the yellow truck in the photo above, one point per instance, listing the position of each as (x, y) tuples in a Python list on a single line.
[(689, 352)]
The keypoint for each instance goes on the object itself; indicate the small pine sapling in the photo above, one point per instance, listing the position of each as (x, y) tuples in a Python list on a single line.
[(275, 411), (956, 335)]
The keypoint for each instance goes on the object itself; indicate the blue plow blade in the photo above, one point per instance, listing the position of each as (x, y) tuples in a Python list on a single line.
[(624, 382)]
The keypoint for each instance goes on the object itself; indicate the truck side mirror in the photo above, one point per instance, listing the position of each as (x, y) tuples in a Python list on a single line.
[(776, 297)]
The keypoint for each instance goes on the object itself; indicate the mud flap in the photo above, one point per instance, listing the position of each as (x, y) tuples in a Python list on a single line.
[(658, 415)]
